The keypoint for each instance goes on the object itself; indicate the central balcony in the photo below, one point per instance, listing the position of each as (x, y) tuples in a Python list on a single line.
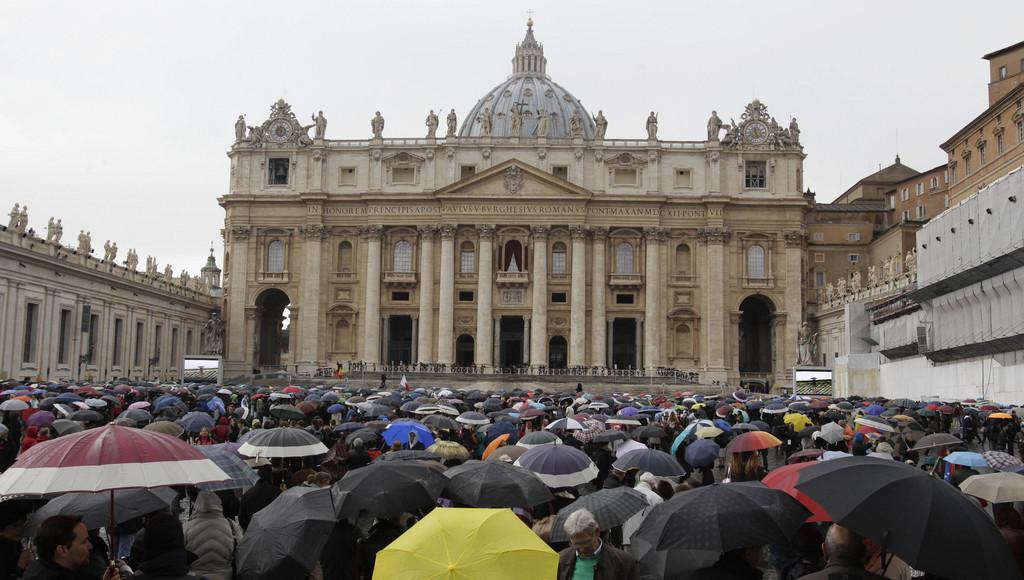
[(512, 279), (625, 281), (400, 279)]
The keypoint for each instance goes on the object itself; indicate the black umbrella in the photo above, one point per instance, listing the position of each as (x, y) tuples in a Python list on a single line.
[(937, 440), (441, 422), (649, 432), (284, 539), (495, 484), (923, 520), (409, 455), (368, 436), (87, 416), (611, 507), (388, 488), (94, 508), (610, 435), (650, 460), (724, 517)]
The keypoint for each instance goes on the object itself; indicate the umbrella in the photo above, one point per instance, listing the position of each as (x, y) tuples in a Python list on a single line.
[(166, 427), (708, 432), (401, 430), (389, 488), (138, 415), (1001, 487), (610, 507), (565, 424), (966, 459), (13, 405), (539, 438), (610, 435), (66, 427), (805, 455), (284, 539), (226, 457), (494, 445), (559, 465), (282, 442), (494, 484), (94, 507), (508, 454), (287, 412), (473, 418), (925, 521), (784, 479), (652, 461), (449, 450), (702, 453), (937, 440), (408, 455), (87, 416), (875, 423), (649, 432), (832, 433), (441, 422), (195, 422), (458, 543), (41, 419), (752, 441), (350, 426), (723, 517), (1001, 461), (628, 446), (365, 434)]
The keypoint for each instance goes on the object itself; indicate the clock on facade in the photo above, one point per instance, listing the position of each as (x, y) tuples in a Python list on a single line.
[(280, 130), (755, 132)]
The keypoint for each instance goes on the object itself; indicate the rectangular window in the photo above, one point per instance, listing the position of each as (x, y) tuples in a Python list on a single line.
[(558, 298), (946, 200), (118, 341), (935, 183), (624, 177), (819, 279), (1002, 72), (952, 174), (347, 176), (467, 171), (467, 261), (967, 166), (904, 194), (560, 171), (64, 346), (755, 175), (920, 188), (819, 257), (684, 178), (174, 347), (999, 144), (28, 350), (277, 172), (854, 258), (623, 298), (188, 341), (403, 175), (399, 296), (137, 355), (465, 295), (819, 236), (920, 212), (906, 214), (892, 202), (981, 155), (157, 335), (1020, 132), (558, 263), (94, 331), (853, 236)]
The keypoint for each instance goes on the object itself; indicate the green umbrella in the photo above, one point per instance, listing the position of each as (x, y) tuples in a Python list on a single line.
[(287, 412)]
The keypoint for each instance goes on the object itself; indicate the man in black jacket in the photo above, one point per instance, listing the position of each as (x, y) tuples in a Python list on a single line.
[(259, 497), (14, 557), (64, 550)]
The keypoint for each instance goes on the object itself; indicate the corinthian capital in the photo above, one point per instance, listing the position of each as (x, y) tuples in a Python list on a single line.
[(447, 231), (370, 232), (427, 232), (313, 231), (240, 233), (485, 230), (579, 231), (713, 235), (539, 232), (600, 233)]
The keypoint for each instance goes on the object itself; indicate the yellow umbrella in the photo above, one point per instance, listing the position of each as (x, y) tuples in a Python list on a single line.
[(467, 544), (799, 421), (1000, 416), (708, 432)]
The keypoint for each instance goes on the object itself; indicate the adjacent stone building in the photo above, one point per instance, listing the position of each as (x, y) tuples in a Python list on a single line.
[(522, 240)]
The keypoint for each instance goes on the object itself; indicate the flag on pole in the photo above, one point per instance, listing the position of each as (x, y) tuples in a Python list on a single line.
[(339, 372), (405, 384)]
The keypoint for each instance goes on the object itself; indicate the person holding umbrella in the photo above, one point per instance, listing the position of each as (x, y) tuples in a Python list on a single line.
[(589, 557), (844, 553), (63, 551)]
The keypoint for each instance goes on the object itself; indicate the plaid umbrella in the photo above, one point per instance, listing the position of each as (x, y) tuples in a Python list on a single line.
[(1001, 461), (611, 507), (226, 457), (591, 428)]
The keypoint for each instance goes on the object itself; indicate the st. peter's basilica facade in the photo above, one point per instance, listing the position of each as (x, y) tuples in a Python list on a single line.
[(521, 240)]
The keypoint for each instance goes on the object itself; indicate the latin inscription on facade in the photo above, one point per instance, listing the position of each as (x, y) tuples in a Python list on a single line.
[(511, 209)]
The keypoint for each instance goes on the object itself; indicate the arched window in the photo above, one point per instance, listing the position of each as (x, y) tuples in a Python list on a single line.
[(755, 262), (467, 258), (403, 256), (512, 261), (624, 258), (682, 259), (275, 257), (558, 258), (345, 257)]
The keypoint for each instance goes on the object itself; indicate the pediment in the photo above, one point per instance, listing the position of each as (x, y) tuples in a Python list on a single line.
[(514, 179)]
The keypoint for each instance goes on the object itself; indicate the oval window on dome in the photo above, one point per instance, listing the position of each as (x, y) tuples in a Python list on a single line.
[(527, 92), (549, 93), (507, 93)]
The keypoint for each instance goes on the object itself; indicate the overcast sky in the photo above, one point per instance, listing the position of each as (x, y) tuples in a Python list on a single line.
[(116, 116)]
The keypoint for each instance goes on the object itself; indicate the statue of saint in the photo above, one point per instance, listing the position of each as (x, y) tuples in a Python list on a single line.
[(841, 287), (256, 135), (320, 122), (894, 271), (240, 129), (652, 126), (714, 126), (213, 335), (516, 115), (23, 219), (543, 121), (150, 266), (872, 276), (49, 229), (830, 291), (855, 282), (794, 131), (806, 345), (106, 251), (576, 125), (910, 262), (84, 242), (58, 231), (432, 123), (132, 262), (732, 133), (453, 122), (183, 278), (168, 273), (377, 124), (601, 125), (485, 122), (15, 217)]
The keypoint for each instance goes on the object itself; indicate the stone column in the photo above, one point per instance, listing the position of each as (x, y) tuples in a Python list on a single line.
[(526, 340), (496, 342), (307, 349), (652, 298), (598, 287), (239, 357), (446, 314), (415, 344), (714, 239), (539, 314), (794, 298), (484, 329), (425, 335), (371, 295), (608, 348), (578, 293)]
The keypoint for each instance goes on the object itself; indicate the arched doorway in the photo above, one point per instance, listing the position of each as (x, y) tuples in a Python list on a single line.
[(558, 352), (464, 351), (755, 336), (271, 305)]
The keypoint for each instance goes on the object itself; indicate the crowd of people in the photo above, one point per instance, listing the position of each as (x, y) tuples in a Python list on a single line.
[(658, 447)]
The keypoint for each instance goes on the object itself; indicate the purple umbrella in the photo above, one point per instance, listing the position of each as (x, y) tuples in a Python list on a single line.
[(41, 419), (629, 411), (196, 421), (875, 410)]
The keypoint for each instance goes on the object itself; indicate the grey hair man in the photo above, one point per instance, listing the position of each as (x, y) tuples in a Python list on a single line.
[(589, 557)]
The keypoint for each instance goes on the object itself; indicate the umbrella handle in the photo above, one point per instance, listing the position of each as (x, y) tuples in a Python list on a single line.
[(885, 561), (111, 536)]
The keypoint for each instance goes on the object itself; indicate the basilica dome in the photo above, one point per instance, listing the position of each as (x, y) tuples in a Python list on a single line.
[(535, 94)]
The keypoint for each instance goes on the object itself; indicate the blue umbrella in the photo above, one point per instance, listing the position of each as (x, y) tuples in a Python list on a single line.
[(702, 453), (400, 430), (723, 425), (501, 428), (875, 410), (226, 457), (336, 408), (68, 398), (330, 397), (966, 458), (196, 421), (163, 402)]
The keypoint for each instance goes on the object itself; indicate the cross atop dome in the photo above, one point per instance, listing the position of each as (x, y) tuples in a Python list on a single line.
[(529, 57)]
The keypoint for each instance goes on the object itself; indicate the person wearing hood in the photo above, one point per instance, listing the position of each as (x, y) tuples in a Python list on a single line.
[(212, 538), (647, 485), (164, 555), (30, 438)]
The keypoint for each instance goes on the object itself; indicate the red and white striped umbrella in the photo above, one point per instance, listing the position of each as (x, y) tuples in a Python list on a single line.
[(105, 459)]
